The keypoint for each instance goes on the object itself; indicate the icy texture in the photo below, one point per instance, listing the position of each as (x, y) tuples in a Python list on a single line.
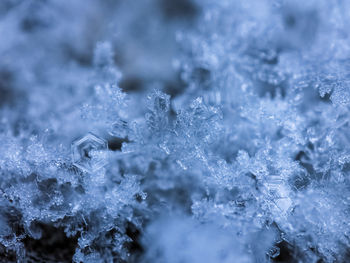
[(174, 131)]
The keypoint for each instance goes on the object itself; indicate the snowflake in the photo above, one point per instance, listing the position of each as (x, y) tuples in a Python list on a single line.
[(89, 153)]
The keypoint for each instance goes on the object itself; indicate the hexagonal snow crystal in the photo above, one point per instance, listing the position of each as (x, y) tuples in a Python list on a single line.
[(89, 153)]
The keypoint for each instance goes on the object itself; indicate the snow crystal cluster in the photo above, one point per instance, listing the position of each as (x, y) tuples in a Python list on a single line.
[(175, 131)]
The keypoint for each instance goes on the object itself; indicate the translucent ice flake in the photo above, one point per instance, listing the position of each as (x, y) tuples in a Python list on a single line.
[(274, 183), (89, 153), (274, 252), (278, 193), (158, 102), (119, 129)]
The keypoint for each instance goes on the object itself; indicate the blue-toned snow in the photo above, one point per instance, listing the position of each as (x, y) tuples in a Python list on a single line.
[(176, 131)]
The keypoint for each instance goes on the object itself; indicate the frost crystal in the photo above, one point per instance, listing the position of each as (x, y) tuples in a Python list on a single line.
[(119, 129), (274, 252), (89, 153), (223, 131)]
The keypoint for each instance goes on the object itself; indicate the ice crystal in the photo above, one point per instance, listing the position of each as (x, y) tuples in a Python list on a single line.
[(89, 153), (119, 129), (208, 131)]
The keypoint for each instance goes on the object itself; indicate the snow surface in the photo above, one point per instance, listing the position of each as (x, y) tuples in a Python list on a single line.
[(174, 131)]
